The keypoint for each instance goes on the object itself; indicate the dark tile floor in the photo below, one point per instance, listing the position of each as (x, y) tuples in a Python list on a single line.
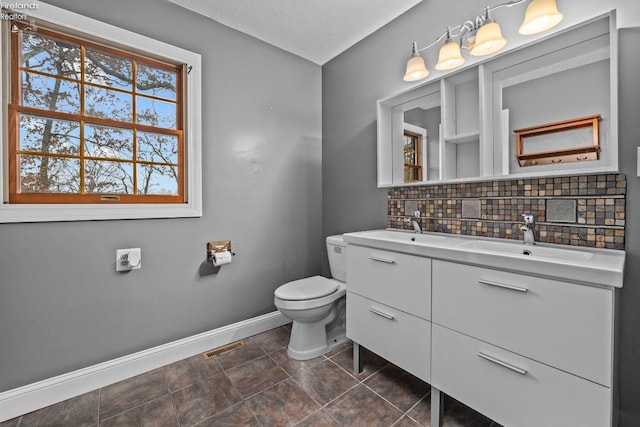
[(258, 385)]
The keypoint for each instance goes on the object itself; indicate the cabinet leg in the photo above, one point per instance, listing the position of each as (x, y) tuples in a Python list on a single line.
[(358, 363), (436, 407)]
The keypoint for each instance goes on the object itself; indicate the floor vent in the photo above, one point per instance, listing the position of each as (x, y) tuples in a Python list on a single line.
[(223, 350)]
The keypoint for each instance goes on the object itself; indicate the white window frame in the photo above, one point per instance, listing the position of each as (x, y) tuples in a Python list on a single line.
[(116, 37)]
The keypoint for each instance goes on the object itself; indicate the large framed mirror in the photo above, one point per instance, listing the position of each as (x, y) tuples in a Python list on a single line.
[(469, 116)]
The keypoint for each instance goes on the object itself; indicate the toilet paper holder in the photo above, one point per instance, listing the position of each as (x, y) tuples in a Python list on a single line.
[(218, 246)]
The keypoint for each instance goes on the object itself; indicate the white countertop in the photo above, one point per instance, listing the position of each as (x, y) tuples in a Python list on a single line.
[(590, 266)]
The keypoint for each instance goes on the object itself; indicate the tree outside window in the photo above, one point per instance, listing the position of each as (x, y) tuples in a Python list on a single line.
[(91, 124)]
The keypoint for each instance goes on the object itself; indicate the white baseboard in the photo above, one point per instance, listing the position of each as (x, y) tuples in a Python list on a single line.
[(38, 395)]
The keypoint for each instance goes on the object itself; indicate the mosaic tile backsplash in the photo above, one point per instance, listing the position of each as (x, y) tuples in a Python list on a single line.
[(598, 220)]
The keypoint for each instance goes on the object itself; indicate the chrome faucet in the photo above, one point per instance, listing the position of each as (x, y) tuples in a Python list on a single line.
[(527, 227), (415, 221)]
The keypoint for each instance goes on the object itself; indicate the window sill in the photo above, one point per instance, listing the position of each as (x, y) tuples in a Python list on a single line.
[(55, 213)]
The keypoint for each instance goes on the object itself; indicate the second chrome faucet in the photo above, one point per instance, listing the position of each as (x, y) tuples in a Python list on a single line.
[(527, 227), (415, 221)]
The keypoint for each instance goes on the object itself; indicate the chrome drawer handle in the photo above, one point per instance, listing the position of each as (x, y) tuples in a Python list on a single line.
[(385, 260), (502, 285), (381, 313), (504, 364)]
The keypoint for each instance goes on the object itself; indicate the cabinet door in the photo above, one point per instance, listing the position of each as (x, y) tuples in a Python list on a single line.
[(514, 390), (397, 280), (565, 325), (401, 338)]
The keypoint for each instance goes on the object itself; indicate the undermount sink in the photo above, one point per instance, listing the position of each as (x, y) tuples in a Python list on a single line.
[(518, 248), (405, 236), (507, 247)]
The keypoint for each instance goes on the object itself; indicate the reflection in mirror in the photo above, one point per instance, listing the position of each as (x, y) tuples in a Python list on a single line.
[(414, 152), (409, 134), (572, 140), (535, 99), (552, 142), (424, 121)]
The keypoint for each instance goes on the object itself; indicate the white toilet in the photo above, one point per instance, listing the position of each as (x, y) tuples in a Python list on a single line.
[(317, 306)]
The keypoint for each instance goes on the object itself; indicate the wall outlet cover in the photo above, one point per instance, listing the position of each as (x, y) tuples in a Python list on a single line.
[(128, 259)]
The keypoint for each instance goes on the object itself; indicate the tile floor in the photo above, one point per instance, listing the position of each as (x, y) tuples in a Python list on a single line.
[(258, 385)]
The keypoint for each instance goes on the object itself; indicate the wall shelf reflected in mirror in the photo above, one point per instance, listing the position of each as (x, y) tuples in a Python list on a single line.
[(541, 145)]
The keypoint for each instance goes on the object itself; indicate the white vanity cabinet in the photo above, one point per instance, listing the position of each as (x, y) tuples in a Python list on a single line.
[(389, 306), (525, 341), (564, 325), (511, 389), (523, 350)]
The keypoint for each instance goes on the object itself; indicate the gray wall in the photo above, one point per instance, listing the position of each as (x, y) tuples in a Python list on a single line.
[(62, 304), (373, 69), (630, 295)]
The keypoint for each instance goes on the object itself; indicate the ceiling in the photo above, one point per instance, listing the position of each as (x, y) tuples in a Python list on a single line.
[(317, 30)]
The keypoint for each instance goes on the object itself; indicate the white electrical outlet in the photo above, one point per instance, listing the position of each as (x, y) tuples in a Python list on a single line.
[(128, 259)]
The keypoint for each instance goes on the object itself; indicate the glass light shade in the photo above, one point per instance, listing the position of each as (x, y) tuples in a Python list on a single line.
[(416, 69), (541, 15), (488, 40), (450, 56)]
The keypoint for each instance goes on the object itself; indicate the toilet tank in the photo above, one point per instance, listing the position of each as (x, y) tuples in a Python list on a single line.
[(337, 253)]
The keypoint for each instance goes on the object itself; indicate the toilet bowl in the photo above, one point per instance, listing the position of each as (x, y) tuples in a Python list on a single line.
[(316, 305)]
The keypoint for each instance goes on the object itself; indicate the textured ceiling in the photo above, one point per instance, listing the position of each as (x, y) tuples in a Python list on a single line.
[(317, 30)]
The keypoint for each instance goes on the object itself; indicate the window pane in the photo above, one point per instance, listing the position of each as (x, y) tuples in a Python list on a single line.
[(44, 174), (108, 177), (49, 135), (108, 104), (157, 179), (49, 93), (50, 56), (156, 81), (93, 119), (108, 70), (108, 142), (154, 147), (157, 113)]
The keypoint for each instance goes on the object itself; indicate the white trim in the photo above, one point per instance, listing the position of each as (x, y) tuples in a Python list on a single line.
[(193, 162), (31, 397)]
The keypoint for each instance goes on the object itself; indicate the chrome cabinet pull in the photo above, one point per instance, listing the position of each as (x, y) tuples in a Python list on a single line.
[(381, 313), (502, 285), (385, 260), (503, 364)]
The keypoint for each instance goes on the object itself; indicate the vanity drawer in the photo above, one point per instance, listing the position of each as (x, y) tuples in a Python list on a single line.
[(564, 325), (394, 335), (486, 378), (398, 280)]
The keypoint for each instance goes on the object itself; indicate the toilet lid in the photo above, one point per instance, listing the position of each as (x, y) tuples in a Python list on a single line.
[(309, 288)]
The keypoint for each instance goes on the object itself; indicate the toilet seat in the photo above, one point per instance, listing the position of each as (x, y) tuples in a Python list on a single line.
[(307, 289)]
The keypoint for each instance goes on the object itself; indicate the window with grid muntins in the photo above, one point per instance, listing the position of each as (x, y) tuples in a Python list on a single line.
[(92, 124)]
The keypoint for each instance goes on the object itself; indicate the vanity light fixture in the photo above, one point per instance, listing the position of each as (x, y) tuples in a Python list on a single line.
[(481, 36), (450, 56), (416, 69), (488, 37), (540, 16)]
